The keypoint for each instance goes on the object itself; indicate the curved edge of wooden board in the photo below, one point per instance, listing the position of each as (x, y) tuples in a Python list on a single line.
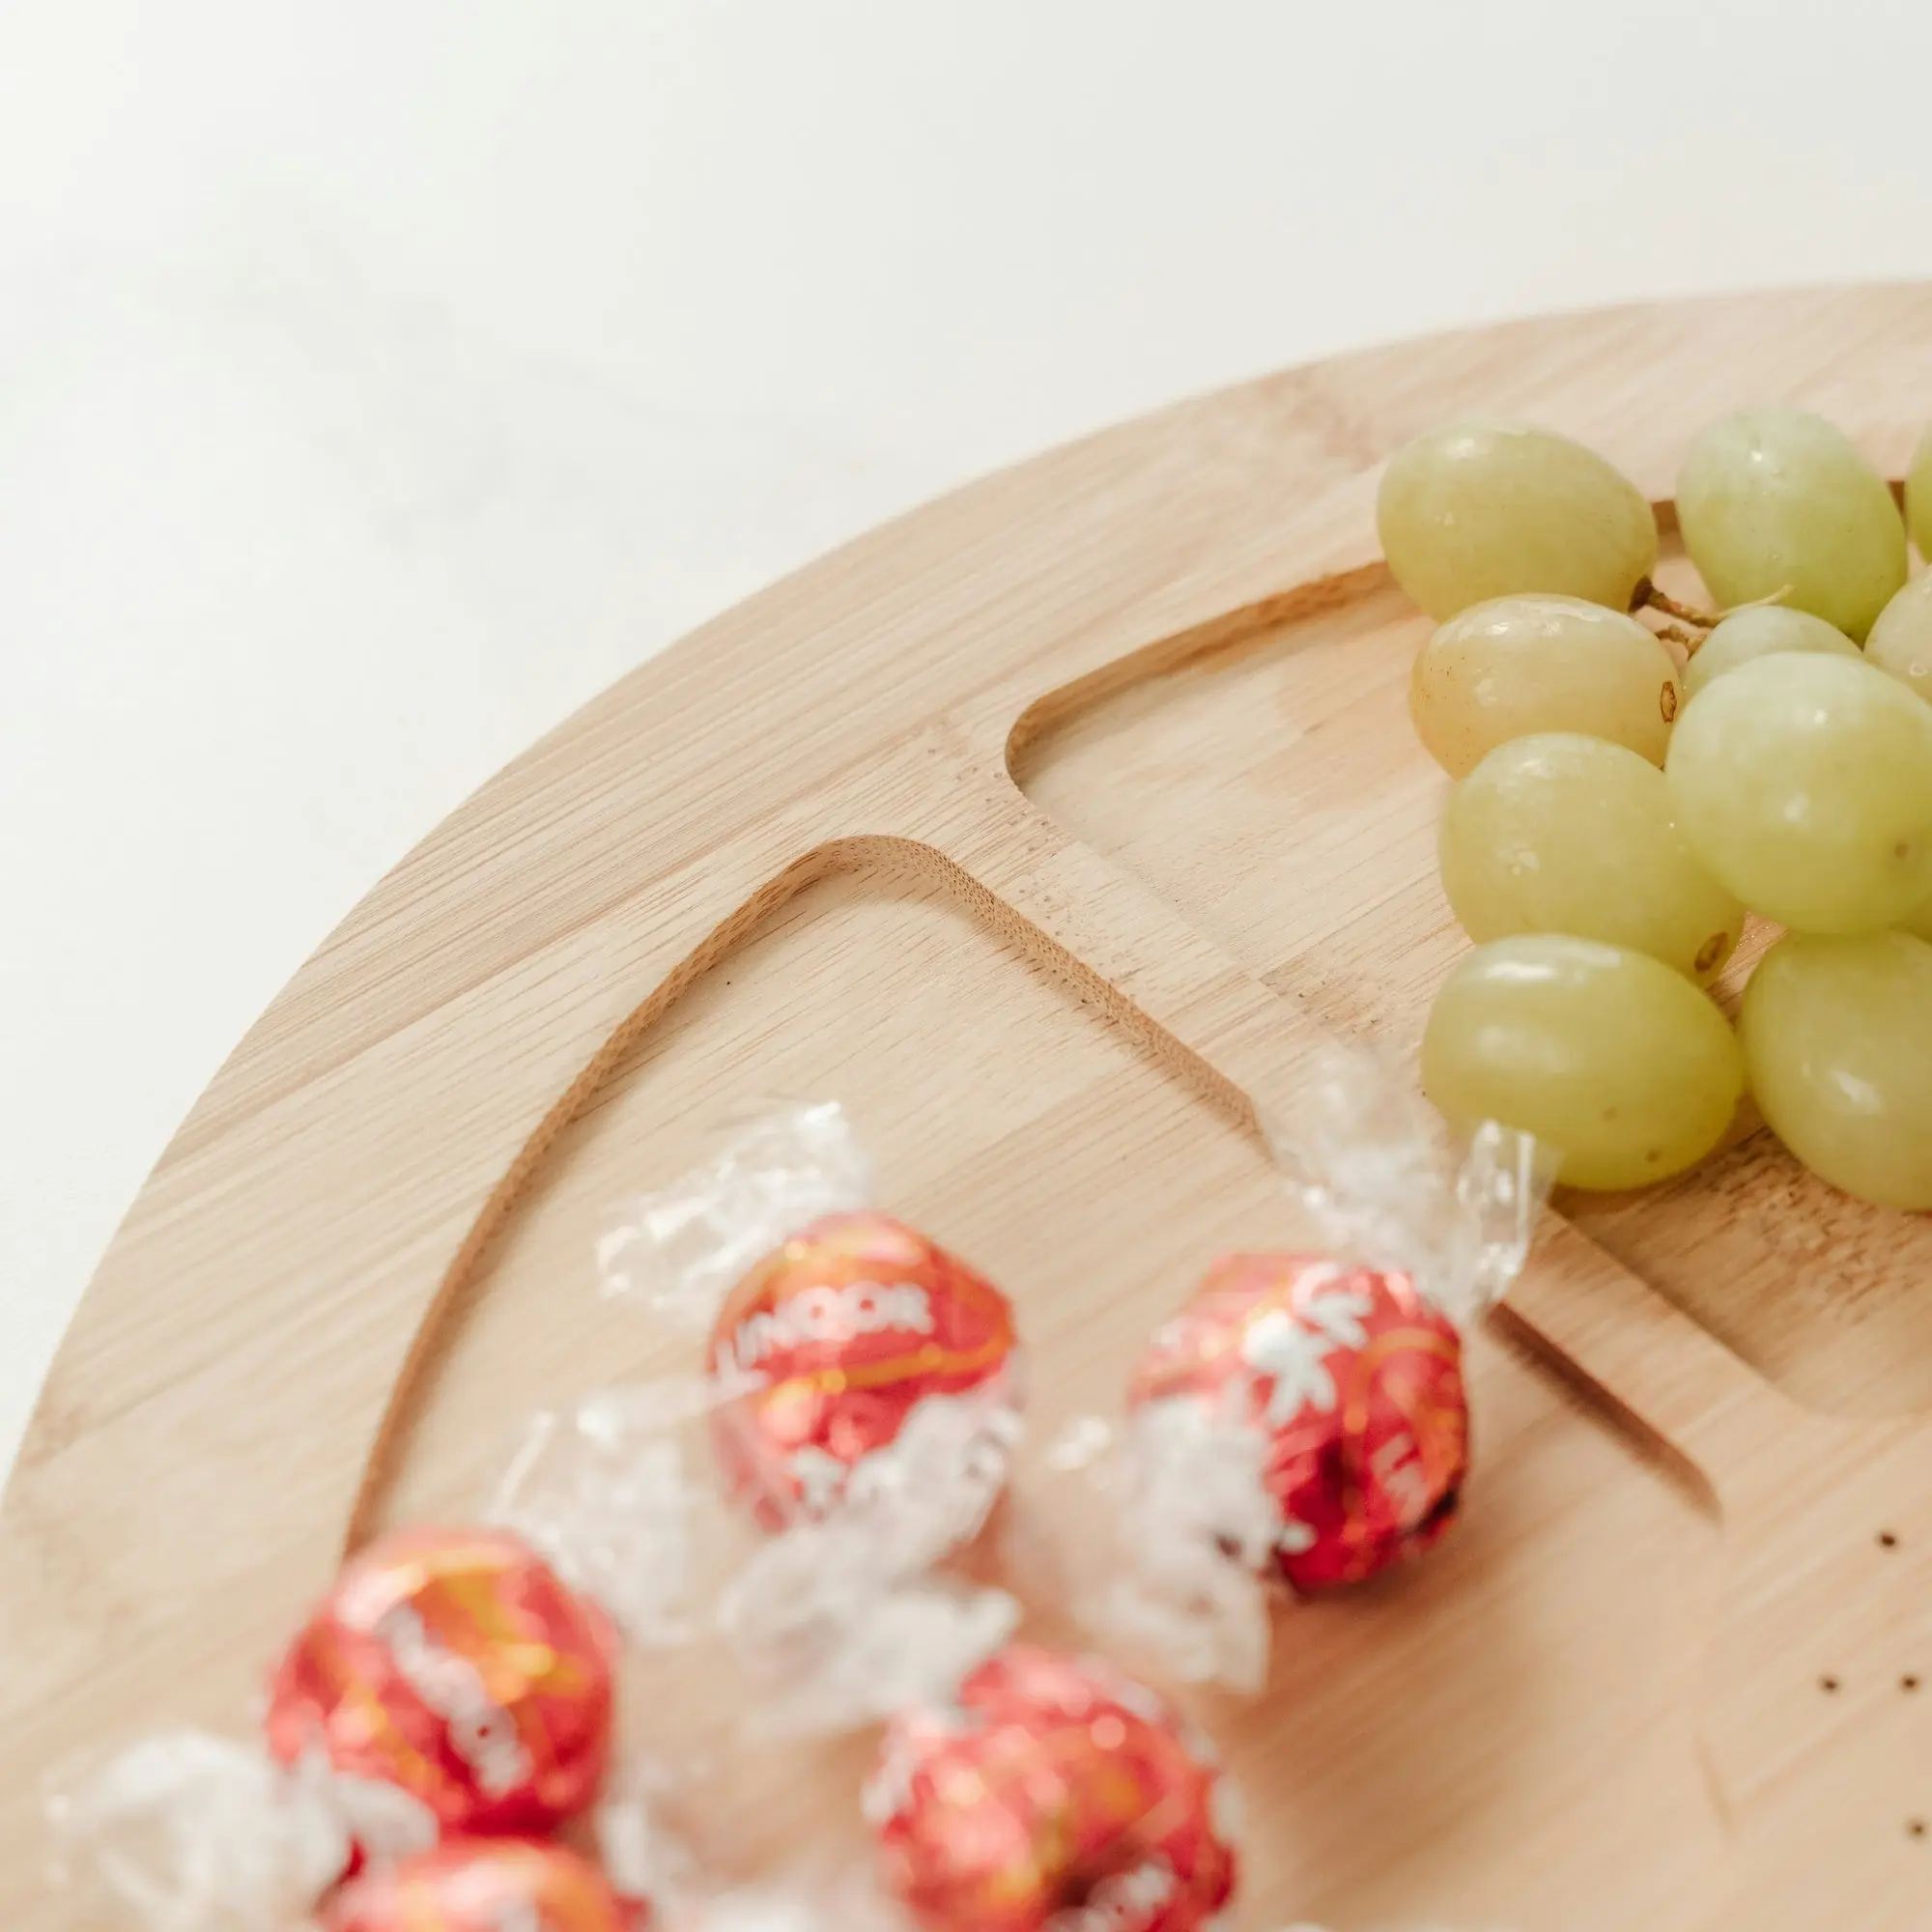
[(355, 1151)]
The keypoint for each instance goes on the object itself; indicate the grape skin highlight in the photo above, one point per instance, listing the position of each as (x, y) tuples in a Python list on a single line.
[(1521, 665), (1757, 634), (1900, 643), (1773, 501), (1805, 783), (1837, 1037), (1478, 510), (1615, 1061), (1561, 832)]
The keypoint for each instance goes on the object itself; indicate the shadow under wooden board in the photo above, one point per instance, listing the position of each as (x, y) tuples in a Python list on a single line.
[(1045, 827)]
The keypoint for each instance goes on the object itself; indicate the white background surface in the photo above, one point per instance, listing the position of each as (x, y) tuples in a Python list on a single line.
[(379, 379)]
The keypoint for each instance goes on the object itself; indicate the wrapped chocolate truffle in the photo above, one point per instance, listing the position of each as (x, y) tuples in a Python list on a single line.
[(863, 1402), (449, 1684), (1353, 1380), (1303, 1421), (456, 1668), (1052, 1794), (854, 1356), (854, 1345)]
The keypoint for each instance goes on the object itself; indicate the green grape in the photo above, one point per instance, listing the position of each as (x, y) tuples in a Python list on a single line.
[(1560, 833), (1479, 510), (1919, 496), (1837, 1037), (1901, 640), (1757, 634), (1519, 664), (1805, 783), (1617, 1062), (1919, 922), (1777, 499)]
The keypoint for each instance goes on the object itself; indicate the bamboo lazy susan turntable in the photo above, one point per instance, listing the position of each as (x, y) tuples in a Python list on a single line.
[(1044, 828)]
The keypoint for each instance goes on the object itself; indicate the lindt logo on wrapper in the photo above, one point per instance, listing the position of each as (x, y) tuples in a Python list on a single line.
[(484, 1734), (1130, 1901), (828, 1315), (834, 1344)]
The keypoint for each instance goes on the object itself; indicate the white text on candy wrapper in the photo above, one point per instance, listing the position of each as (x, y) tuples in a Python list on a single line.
[(829, 1315), (484, 1733)]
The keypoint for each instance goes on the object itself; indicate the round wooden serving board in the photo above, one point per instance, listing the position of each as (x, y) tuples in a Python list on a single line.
[(1045, 828)]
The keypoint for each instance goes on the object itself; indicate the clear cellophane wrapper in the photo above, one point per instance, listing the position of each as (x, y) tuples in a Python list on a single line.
[(825, 1624), (724, 1878), (1387, 1182), (186, 1831), (773, 1167), (800, 1904), (1154, 1525), (1137, 1533)]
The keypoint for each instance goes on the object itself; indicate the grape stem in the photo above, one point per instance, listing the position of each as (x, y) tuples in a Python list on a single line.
[(1706, 621)]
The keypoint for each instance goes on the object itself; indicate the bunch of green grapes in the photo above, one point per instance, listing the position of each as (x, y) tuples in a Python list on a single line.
[(1634, 776)]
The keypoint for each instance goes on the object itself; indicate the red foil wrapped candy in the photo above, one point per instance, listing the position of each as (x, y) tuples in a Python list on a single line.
[(859, 1402), (1304, 1419), (453, 1666), (483, 1884), (854, 1358), (1054, 1795), (1353, 1379), (855, 1337)]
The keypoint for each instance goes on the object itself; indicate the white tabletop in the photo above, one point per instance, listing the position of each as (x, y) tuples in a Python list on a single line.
[(379, 380)]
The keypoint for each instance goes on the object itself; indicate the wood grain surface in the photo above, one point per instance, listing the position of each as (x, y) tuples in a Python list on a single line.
[(1045, 828)]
